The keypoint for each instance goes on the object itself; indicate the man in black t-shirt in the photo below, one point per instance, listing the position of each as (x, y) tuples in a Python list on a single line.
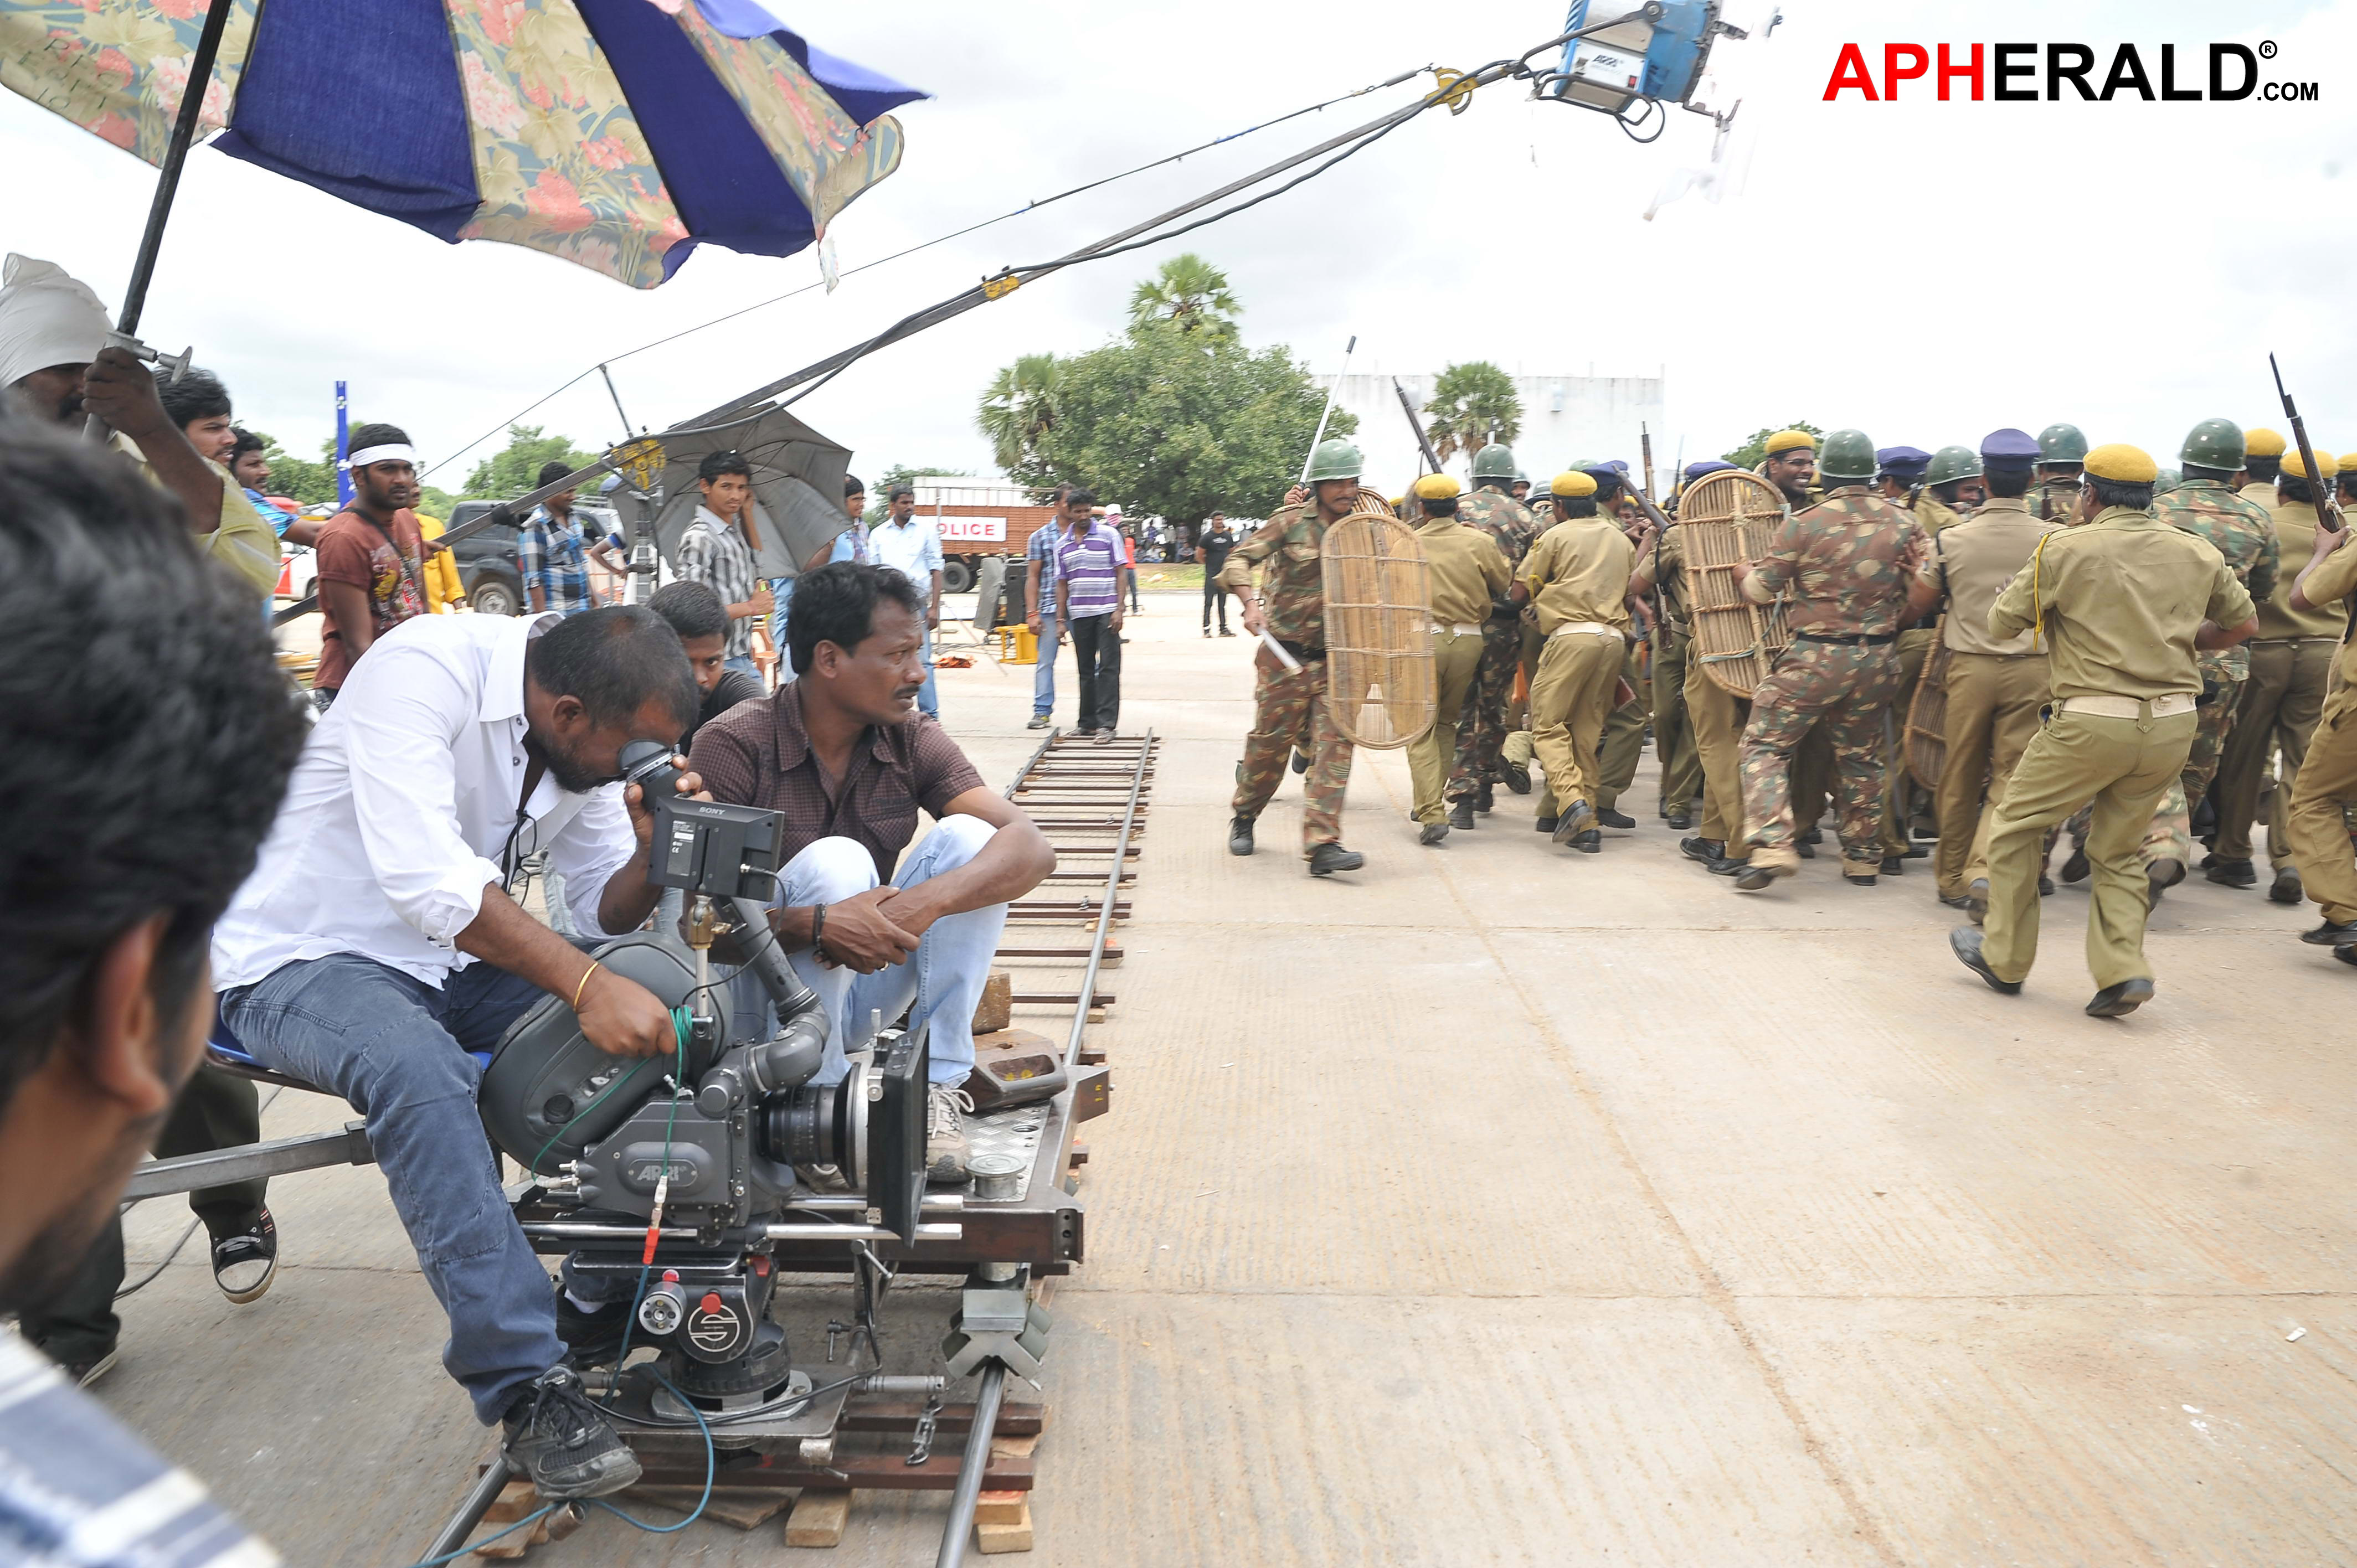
[(1212, 550), (696, 612)]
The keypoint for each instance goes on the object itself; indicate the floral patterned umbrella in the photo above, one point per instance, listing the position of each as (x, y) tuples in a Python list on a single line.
[(618, 134)]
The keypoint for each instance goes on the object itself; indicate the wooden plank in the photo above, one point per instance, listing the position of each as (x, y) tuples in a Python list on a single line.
[(996, 1539), (748, 1510), (516, 1500), (819, 1518), (999, 1507)]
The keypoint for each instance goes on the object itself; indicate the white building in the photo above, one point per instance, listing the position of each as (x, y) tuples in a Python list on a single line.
[(1564, 418)]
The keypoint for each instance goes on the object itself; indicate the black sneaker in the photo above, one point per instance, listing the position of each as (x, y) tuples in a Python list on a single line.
[(1329, 858), (565, 1444), (1608, 818), (81, 1374), (591, 1339), (1240, 835), (245, 1261)]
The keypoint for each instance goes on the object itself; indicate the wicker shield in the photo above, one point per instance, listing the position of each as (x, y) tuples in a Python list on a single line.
[(1379, 678), (1724, 518), (1927, 715)]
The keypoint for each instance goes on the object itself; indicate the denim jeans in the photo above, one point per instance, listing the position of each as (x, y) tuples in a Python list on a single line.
[(944, 977), (742, 661), (929, 698), (1043, 678), (397, 1049)]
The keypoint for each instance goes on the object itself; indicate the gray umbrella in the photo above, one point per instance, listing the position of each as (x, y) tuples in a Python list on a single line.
[(797, 488)]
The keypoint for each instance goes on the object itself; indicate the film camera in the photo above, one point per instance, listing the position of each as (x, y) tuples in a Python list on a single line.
[(668, 1178)]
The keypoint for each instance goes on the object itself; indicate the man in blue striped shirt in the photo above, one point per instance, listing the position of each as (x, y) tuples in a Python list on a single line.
[(1089, 562), (1039, 590)]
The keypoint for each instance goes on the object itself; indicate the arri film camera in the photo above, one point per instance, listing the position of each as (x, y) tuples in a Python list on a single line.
[(668, 1180)]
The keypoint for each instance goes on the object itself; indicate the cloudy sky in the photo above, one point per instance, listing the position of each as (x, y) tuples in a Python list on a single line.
[(1925, 271)]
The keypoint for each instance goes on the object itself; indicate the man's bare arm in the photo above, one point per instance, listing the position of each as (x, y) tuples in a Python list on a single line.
[(620, 1016), (355, 621), (2213, 639), (1017, 858), (118, 388)]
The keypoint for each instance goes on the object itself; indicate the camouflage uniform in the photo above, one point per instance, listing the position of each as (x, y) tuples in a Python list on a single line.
[(1674, 731), (1288, 704), (1511, 524), (1845, 566), (2243, 532), (2056, 500)]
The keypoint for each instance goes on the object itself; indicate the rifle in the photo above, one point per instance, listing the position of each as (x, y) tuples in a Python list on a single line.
[(1418, 425), (1645, 437), (2326, 492)]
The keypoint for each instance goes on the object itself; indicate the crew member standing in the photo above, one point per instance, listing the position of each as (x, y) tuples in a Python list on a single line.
[(1509, 523), (1287, 703), (1465, 572), (1578, 576), (1994, 684), (2291, 663), (2324, 793), (2125, 602), (1848, 569), (2203, 504)]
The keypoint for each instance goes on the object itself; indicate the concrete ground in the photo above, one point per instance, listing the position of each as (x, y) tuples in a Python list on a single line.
[(1500, 1205)]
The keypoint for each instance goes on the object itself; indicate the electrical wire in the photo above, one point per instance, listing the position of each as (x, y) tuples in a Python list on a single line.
[(922, 245)]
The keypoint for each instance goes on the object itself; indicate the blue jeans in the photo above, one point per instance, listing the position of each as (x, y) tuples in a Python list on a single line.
[(929, 699), (944, 977), (1043, 678), (396, 1048), (742, 661)]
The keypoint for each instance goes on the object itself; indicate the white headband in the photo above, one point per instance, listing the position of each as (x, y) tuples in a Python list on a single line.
[(396, 454)]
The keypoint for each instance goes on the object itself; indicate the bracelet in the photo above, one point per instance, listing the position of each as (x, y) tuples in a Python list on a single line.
[(818, 930), (594, 967)]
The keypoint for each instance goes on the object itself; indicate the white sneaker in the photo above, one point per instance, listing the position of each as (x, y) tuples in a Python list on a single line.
[(946, 1109)]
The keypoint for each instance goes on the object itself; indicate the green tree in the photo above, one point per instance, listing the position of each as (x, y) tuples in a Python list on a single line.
[(1191, 294), (516, 469), (1754, 450), (1017, 412), (1180, 425), (1472, 404)]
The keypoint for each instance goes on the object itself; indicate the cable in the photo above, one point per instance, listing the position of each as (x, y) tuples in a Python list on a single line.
[(711, 1465), (530, 1519), (922, 245)]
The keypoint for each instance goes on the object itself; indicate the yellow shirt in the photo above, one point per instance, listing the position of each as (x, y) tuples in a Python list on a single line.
[(1466, 567), (2122, 597), (241, 541), (2260, 491), (442, 586), (1973, 561), (1578, 571), (2296, 534)]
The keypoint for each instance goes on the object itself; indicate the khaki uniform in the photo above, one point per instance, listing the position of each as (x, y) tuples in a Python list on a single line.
[(1577, 575), (1509, 523), (2120, 599), (1672, 730), (1936, 515), (1289, 705), (1996, 684), (2326, 788), (2291, 663), (2263, 491), (1466, 572), (1715, 716)]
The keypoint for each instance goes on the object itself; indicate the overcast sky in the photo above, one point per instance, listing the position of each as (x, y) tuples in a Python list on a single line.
[(1927, 272)]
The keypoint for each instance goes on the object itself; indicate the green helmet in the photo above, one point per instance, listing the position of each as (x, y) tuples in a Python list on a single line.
[(2214, 443), (1495, 461), (2061, 444), (2169, 479), (1846, 455), (1335, 460), (1950, 463)]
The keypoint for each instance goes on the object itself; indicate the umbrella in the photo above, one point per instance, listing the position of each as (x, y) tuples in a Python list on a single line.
[(618, 134), (795, 469)]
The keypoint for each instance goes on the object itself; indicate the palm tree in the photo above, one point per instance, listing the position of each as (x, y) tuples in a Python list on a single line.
[(1019, 408), (1472, 404), (1190, 293)]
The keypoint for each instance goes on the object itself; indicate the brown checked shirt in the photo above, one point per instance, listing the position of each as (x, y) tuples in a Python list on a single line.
[(758, 754)]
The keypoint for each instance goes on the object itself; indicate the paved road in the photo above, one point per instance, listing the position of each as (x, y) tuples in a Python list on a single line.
[(1508, 1206)]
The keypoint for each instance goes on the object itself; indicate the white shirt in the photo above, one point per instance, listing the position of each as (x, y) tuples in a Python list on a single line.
[(912, 547), (398, 813)]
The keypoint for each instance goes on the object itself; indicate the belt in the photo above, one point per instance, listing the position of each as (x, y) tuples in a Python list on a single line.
[(1302, 650), (2288, 641), (1861, 641), (2104, 704), (1460, 628), (1585, 629)]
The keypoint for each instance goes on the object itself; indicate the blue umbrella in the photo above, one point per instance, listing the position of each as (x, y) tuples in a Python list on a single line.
[(619, 134)]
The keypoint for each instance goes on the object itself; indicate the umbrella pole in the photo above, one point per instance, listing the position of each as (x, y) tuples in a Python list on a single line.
[(168, 178)]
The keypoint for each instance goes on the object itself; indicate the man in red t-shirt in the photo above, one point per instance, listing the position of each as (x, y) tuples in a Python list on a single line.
[(371, 558)]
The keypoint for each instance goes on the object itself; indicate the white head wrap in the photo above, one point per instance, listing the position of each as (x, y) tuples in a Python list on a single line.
[(47, 318)]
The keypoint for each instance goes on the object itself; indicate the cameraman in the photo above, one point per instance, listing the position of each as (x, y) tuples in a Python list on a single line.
[(377, 943), (148, 736), (845, 755)]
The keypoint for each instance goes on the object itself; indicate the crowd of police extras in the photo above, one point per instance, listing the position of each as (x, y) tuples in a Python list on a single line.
[(2126, 658)]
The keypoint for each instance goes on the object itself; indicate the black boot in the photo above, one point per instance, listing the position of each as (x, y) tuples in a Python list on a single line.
[(1329, 858), (1240, 836), (1460, 814), (1710, 852)]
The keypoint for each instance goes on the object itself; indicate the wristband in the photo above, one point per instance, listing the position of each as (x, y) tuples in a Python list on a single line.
[(594, 967), (818, 930)]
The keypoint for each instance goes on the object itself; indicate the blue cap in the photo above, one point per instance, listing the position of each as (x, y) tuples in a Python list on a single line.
[(1903, 462), (1709, 465), (2010, 449)]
